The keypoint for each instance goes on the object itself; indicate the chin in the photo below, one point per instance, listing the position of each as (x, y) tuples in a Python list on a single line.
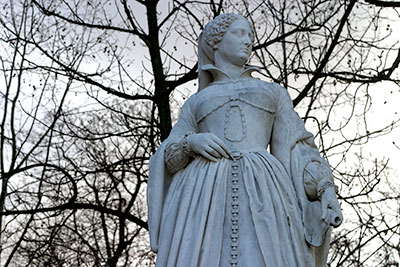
[(243, 57), (241, 61)]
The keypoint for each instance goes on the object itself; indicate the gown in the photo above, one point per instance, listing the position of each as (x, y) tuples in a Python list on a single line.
[(258, 208)]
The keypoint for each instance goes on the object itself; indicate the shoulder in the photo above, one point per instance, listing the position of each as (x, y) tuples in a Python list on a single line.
[(188, 105), (276, 89), (281, 91), (268, 85)]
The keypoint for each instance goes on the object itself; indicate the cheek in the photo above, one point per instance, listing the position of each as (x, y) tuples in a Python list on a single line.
[(231, 40), (229, 49)]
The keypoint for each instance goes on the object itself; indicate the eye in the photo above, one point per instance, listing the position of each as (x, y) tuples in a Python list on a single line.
[(237, 33)]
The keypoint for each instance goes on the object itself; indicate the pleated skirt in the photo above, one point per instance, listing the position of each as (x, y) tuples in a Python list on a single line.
[(241, 212)]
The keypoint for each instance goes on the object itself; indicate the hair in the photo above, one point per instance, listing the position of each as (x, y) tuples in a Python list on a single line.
[(216, 29)]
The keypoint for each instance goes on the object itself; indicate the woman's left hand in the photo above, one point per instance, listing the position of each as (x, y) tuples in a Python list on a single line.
[(331, 212)]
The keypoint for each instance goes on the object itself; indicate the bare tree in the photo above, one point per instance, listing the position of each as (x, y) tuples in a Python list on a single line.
[(91, 88)]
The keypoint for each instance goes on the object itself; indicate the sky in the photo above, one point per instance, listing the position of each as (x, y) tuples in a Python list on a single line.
[(385, 97)]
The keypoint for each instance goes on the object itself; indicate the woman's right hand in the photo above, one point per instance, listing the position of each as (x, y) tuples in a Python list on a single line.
[(208, 145)]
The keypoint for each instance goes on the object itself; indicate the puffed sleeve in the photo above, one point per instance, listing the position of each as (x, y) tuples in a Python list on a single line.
[(175, 157), (315, 174)]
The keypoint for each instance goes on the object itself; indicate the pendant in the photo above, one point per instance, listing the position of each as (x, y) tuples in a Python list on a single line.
[(235, 125)]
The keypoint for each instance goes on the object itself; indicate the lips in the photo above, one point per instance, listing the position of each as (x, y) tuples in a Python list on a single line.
[(245, 49)]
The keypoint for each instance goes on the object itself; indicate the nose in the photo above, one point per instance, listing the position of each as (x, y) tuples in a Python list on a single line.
[(247, 40)]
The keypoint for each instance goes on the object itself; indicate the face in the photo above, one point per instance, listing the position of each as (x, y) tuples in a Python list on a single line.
[(235, 47)]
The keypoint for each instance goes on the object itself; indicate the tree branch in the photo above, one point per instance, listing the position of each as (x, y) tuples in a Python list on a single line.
[(383, 3), (85, 78), (349, 76), (325, 60), (192, 74), (74, 206), (135, 30)]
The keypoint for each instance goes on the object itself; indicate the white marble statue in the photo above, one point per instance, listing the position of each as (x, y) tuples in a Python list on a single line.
[(239, 181)]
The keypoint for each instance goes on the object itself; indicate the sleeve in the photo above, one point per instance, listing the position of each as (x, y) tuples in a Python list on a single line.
[(295, 148), (315, 174), (292, 144), (175, 157), (160, 176)]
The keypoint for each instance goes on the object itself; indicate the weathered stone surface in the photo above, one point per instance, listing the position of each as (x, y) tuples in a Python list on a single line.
[(216, 196)]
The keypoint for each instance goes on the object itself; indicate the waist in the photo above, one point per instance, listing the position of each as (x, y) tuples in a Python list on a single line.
[(238, 153)]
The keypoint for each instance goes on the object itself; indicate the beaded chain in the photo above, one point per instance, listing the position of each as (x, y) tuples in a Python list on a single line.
[(235, 208), (185, 145), (325, 185)]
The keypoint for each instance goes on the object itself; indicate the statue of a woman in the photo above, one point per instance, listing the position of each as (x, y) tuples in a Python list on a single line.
[(216, 195)]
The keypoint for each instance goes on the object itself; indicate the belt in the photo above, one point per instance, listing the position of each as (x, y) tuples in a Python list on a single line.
[(238, 154)]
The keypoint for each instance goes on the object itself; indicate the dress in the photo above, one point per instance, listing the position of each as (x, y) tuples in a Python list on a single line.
[(257, 209)]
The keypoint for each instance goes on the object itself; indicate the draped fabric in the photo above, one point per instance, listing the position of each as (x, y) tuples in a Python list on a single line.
[(190, 207)]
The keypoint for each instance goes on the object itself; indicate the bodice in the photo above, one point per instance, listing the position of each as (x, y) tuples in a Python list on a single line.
[(241, 113)]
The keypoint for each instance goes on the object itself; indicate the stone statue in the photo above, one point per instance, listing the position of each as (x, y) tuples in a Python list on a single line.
[(216, 195)]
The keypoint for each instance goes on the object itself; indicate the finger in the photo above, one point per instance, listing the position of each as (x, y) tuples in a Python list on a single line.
[(334, 205), (221, 152), (208, 156), (212, 151), (324, 211), (227, 153)]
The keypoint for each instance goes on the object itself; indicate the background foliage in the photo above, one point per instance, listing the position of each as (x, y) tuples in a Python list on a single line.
[(89, 89)]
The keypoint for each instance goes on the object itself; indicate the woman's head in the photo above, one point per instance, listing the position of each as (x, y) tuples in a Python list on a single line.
[(212, 36), (215, 30)]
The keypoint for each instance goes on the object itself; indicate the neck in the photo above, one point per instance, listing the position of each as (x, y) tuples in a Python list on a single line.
[(232, 70)]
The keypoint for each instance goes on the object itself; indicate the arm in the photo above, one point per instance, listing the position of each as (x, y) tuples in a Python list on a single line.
[(184, 142), (159, 177), (295, 148), (319, 185), (175, 156)]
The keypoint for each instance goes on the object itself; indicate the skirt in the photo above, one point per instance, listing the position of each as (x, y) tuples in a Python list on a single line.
[(233, 212)]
